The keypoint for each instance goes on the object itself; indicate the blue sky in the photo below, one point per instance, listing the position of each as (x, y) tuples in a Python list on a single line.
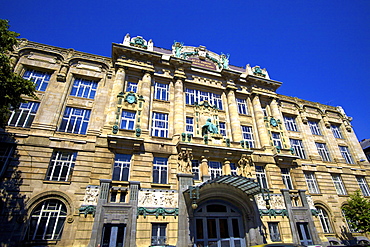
[(320, 50)]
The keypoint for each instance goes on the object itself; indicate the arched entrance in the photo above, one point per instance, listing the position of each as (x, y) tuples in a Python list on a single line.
[(218, 224)]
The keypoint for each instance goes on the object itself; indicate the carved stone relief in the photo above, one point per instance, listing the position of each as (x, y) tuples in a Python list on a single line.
[(91, 195), (158, 198)]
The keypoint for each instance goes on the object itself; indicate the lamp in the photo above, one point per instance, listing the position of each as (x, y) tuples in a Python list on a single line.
[(194, 196), (266, 197)]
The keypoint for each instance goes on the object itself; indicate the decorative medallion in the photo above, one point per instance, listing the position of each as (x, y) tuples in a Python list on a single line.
[(131, 98), (273, 122)]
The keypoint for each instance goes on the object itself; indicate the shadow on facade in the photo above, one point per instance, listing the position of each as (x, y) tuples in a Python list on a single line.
[(12, 203)]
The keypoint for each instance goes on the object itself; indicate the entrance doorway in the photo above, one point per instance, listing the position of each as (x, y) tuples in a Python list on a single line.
[(113, 235), (218, 224), (304, 234)]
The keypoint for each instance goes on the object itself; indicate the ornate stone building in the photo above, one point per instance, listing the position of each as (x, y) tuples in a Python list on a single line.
[(155, 147)]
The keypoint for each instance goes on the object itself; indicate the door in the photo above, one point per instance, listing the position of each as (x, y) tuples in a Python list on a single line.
[(304, 234), (113, 235), (218, 225)]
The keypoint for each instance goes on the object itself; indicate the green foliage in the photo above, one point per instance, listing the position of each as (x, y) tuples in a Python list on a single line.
[(357, 212), (12, 86)]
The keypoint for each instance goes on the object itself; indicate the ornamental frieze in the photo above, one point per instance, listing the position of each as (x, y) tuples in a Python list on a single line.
[(158, 198)]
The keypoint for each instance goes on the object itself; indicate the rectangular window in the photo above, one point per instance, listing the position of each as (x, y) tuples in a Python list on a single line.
[(242, 106), (274, 231), (287, 180), (323, 151), (338, 184), (189, 127), (84, 88), (261, 177), (336, 131), (61, 166), (290, 123), (128, 120), (195, 169), (121, 168), (314, 127), (75, 120), (346, 155), (161, 91), (160, 124), (6, 152), (312, 185), (248, 135), (41, 79), (160, 170), (222, 128), (131, 87), (233, 169), (297, 145), (276, 140), (113, 235), (363, 185), (159, 234), (214, 169), (196, 96), (24, 115)]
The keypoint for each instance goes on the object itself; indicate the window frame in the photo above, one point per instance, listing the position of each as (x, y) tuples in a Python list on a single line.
[(25, 113), (160, 167), (66, 164), (214, 169), (261, 177), (121, 167), (242, 106), (128, 121), (312, 185), (195, 169), (159, 234), (336, 131), (298, 147), (287, 179), (274, 231), (41, 80), (222, 128), (247, 132), (131, 87), (276, 140), (314, 127), (193, 96), (189, 125), (160, 124), (338, 184), (290, 123), (84, 88), (69, 117), (161, 91), (323, 151), (362, 183), (344, 150), (324, 220)]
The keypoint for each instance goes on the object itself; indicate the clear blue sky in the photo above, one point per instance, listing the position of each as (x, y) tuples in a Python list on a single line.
[(320, 50)]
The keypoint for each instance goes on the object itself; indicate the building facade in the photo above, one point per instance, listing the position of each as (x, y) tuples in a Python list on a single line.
[(155, 147)]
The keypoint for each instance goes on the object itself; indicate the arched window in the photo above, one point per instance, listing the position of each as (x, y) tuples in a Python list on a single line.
[(47, 220), (324, 220)]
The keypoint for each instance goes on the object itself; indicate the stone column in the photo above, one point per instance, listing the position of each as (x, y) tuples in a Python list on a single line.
[(275, 109), (132, 221), (145, 89), (118, 86), (234, 115), (260, 122), (226, 169), (183, 236), (203, 167), (99, 214), (179, 107)]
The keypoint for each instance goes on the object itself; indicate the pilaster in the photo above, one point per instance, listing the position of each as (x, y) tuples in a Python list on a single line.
[(179, 107), (134, 192), (145, 89), (262, 131), (233, 114)]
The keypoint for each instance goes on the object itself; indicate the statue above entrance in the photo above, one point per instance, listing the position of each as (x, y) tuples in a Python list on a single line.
[(209, 128)]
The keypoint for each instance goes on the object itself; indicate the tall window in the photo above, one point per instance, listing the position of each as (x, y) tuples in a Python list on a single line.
[(363, 185), (131, 87), (159, 234), (160, 124), (121, 168), (274, 231), (41, 79), (276, 139), (336, 131), (84, 88), (287, 180), (61, 166), (222, 128), (214, 169), (161, 91), (47, 221), (160, 170), (195, 169), (75, 120), (290, 123), (242, 106), (128, 120), (323, 151), (261, 176), (297, 145), (338, 184), (346, 155), (196, 96), (24, 115), (324, 220), (314, 127), (189, 127), (6, 152), (313, 188), (248, 135), (113, 235)]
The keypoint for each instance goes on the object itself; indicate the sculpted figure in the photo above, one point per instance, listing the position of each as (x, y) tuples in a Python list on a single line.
[(185, 157), (209, 128), (225, 60), (244, 166), (178, 47)]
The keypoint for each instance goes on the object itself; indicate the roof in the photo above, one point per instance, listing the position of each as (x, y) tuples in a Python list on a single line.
[(247, 185)]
